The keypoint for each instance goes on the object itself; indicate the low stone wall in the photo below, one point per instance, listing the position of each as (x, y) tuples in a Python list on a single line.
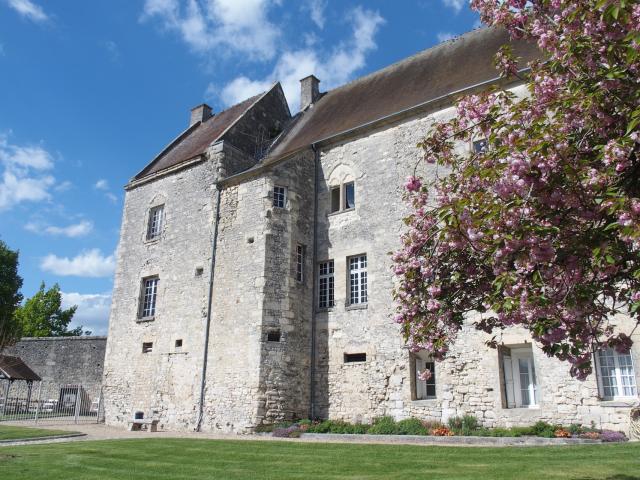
[(73, 360)]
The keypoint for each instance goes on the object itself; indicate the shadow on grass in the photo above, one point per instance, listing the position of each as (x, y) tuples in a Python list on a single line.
[(615, 477)]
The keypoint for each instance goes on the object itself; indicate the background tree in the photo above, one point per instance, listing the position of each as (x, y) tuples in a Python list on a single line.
[(540, 229), (42, 315), (10, 297)]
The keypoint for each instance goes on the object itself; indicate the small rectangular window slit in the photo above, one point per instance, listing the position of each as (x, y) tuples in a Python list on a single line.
[(273, 336), (178, 345), (355, 357), (147, 347)]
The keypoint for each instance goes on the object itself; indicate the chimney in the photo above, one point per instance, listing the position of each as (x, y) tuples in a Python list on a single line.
[(201, 113), (309, 91)]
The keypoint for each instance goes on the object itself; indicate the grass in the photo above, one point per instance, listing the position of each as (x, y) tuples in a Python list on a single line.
[(175, 459), (17, 433)]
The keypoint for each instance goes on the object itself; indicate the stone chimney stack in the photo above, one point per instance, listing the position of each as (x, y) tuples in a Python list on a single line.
[(201, 113), (309, 91)]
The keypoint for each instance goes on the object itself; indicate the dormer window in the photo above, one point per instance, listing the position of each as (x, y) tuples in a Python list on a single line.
[(154, 225)]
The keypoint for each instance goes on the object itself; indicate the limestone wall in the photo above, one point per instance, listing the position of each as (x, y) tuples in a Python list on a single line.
[(64, 360), (165, 382), (469, 381)]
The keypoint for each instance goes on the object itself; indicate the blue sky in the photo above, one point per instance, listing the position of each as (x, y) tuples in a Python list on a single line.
[(90, 91)]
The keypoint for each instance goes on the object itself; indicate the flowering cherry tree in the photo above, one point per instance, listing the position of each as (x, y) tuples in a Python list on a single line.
[(540, 228)]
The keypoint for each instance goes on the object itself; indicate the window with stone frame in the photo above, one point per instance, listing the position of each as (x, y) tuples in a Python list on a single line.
[(518, 380), (279, 196), (423, 389), (357, 280), (480, 145), (148, 297), (326, 284), (616, 375), (301, 253), (342, 190), (154, 224)]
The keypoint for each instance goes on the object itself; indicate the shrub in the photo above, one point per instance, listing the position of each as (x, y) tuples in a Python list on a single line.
[(543, 429), (383, 426), (611, 436), (576, 429), (322, 427), (411, 426), (562, 433), (442, 432), (465, 425), (590, 435)]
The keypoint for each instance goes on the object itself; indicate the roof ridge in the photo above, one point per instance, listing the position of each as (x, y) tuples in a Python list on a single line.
[(410, 58)]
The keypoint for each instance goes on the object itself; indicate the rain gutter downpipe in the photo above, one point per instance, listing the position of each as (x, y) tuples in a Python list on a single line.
[(312, 383), (203, 379)]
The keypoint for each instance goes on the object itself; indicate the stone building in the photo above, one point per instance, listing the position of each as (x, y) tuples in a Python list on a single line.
[(253, 280)]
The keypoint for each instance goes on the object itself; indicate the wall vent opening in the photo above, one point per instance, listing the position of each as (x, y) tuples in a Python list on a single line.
[(178, 345), (147, 347), (355, 357), (273, 336)]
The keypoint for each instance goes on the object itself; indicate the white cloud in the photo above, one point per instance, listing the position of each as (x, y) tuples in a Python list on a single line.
[(455, 4), (79, 229), (89, 263), (29, 10), (444, 36), (24, 175), (238, 26), (102, 184), (316, 10), (93, 310), (112, 197), (113, 51), (332, 69)]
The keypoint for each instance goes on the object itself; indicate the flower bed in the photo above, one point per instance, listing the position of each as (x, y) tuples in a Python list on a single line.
[(457, 426)]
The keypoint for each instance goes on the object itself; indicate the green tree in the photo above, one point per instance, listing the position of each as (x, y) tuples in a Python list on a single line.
[(42, 315), (10, 297)]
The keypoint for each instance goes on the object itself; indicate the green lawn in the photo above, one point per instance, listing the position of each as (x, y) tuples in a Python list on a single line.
[(173, 459), (16, 433)]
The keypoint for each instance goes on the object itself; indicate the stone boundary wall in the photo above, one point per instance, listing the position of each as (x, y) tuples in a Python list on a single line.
[(78, 360)]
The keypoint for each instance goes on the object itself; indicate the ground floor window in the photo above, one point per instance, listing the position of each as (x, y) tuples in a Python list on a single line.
[(519, 384), (616, 376), (423, 389)]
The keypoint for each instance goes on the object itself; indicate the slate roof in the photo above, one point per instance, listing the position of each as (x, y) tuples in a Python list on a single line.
[(195, 140), (13, 368), (428, 75)]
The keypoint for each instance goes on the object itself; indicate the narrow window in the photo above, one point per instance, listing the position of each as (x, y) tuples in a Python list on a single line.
[(147, 347), (358, 280), (616, 376), (349, 195), (178, 345), (300, 257), (480, 146), (355, 357), (279, 197), (335, 199), (154, 226), (424, 389), (273, 336), (148, 300), (519, 376), (325, 284)]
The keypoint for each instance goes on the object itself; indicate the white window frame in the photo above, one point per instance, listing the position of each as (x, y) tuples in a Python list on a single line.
[(619, 388), (279, 198), (513, 385), (300, 261), (357, 279), (155, 222), (422, 361), (148, 297), (326, 284)]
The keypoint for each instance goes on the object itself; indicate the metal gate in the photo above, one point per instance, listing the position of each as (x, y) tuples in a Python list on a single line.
[(47, 403)]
